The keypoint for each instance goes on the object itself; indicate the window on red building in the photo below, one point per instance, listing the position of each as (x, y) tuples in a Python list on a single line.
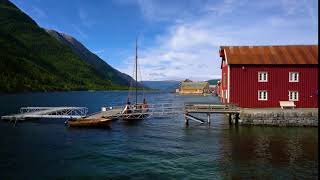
[(262, 95), (262, 77), (293, 95), (293, 77)]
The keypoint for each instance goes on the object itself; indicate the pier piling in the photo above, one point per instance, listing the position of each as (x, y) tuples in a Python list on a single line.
[(186, 119), (236, 118), (209, 109), (230, 118)]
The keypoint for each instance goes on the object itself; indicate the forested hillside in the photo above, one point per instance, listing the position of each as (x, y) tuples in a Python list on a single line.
[(33, 60)]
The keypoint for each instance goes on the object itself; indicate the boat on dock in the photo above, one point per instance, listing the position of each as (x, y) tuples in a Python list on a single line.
[(136, 111), (102, 118)]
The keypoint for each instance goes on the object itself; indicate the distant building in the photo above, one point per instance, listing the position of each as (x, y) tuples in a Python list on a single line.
[(212, 88), (187, 80), (261, 76), (197, 88)]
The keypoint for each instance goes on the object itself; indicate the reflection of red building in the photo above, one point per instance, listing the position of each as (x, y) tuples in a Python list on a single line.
[(261, 76)]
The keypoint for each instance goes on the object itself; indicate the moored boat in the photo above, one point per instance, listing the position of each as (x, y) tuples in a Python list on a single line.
[(136, 111), (90, 122)]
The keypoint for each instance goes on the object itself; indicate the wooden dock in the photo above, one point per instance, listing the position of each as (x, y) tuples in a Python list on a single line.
[(192, 109), (112, 113)]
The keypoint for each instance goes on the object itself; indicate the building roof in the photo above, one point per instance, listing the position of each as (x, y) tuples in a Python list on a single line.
[(194, 85), (187, 80), (290, 54)]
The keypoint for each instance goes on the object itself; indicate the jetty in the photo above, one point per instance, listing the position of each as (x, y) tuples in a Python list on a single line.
[(158, 110), (193, 109), (113, 112), (47, 112)]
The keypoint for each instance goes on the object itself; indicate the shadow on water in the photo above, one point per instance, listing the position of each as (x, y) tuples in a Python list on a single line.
[(134, 122), (102, 128)]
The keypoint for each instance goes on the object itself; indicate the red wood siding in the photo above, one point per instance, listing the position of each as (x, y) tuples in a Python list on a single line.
[(244, 85), (224, 83)]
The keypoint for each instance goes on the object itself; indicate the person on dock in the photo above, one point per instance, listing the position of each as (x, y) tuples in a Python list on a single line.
[(128, 109), (145, 105)]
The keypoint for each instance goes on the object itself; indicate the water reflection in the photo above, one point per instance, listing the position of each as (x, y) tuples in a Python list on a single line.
[(157, 147), (270, 152)]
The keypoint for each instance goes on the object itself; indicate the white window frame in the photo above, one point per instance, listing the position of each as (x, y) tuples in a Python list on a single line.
[(291, 75), (262, 76), (291, 95), (266, 95)]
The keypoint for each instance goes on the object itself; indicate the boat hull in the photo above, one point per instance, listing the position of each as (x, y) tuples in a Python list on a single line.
[(130, 117), (135, 112), (101, 122)]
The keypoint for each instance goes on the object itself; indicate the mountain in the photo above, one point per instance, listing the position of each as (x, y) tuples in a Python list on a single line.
[(104, 69), (167, 86), (213, 81), (33, 60)]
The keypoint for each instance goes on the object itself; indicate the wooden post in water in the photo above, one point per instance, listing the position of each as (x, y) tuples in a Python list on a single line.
[(186, 119), (209, 118), (230, 119), (236, 118)]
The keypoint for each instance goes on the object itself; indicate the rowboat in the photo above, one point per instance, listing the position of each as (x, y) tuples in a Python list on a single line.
[(91, 122)]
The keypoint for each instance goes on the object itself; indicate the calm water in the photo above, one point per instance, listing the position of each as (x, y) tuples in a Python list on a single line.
[(153, 148)]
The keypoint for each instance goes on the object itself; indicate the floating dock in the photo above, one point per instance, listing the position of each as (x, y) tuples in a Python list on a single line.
[(190, 111), (47, 112), (154, 110)]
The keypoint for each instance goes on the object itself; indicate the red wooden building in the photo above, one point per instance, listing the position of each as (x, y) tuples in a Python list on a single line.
[(261, 76)]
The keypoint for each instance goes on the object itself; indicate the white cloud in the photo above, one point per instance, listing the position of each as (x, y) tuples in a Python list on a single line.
[(224, 7), (167, 10), (189, 48)]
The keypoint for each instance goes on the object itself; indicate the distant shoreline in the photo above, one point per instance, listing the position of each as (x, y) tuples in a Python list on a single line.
[(57, 91)]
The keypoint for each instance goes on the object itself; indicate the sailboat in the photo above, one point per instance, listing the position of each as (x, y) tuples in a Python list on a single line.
[(136, 111)]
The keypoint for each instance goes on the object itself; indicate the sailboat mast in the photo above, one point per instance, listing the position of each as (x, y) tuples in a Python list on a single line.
[(136, 71)]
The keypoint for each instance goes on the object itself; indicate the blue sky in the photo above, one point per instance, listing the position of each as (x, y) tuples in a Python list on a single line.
[(177, 39)]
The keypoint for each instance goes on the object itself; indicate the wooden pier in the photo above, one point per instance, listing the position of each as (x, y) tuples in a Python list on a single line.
[(192, 109), (115, 112), (158, 110)]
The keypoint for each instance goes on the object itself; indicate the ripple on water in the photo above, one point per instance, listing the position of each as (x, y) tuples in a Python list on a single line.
[(160, 148)]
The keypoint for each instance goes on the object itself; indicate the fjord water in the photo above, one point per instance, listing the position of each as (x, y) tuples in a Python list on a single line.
[(157, 147)]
